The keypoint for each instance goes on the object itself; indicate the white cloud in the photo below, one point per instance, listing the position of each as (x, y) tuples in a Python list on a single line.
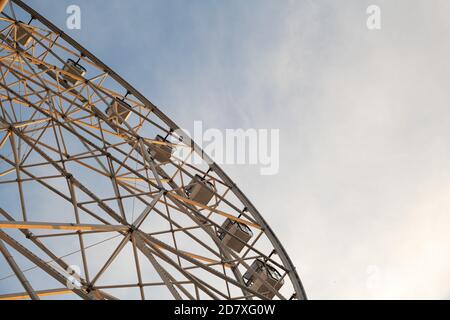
[(364, 167)]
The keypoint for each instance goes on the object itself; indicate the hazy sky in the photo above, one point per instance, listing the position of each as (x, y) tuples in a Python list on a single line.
[(362, 199)]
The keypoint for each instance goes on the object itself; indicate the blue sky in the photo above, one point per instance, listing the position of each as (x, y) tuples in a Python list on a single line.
[(362, 198)]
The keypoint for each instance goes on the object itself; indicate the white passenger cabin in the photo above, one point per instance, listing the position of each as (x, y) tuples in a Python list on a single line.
[(235, 235), (268, 277), (161, 152), (73, 68), (200, 190)]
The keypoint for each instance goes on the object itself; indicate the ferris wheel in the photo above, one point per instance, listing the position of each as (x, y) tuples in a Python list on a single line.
[(95, 203)]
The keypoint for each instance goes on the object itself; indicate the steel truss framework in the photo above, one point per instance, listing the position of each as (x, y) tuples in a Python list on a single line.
[(78, 188)]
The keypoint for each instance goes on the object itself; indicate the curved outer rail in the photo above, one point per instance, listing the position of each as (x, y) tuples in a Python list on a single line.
[(292, 272)]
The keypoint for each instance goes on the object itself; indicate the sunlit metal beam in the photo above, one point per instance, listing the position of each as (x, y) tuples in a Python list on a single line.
[(42, 293), (60, 226)]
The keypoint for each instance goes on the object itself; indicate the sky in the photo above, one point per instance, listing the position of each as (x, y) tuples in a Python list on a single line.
[(361, 202)]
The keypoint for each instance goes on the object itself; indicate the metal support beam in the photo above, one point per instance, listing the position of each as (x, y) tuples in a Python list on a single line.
[(137, 223), (41, 264), (156, 244), (162, 273), (41, 293), (197, 282), (61, 226), (224, 214), (14, 266)]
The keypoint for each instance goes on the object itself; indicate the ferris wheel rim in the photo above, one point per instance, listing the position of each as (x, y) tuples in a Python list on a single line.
[(280, 250)]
